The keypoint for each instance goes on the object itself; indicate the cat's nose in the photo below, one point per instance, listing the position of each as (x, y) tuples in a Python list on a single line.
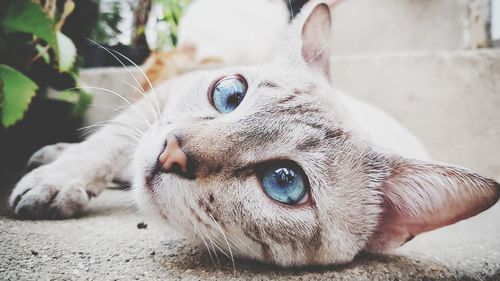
[(172, 159)]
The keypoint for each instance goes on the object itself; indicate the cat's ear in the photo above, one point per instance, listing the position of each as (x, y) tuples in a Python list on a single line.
[(316, 37), (421, 196)]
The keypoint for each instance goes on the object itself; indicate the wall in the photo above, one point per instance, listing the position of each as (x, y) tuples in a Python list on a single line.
[(368, 26)]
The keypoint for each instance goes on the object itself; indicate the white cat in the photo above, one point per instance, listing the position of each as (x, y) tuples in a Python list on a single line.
[(266, 160)]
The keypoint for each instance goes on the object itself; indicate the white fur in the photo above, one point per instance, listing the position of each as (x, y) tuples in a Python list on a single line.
[(383, 130)]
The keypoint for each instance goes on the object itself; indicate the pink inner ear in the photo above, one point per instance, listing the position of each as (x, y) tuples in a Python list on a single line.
[(316, 35), (420, 197)]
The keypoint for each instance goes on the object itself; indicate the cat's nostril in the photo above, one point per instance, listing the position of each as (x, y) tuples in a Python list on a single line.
[(172, 159)]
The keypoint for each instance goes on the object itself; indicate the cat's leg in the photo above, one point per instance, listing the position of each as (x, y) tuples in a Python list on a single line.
[(63, 187), (50, 153)]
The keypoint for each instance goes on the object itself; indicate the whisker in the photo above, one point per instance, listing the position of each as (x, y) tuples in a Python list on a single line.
[(225, 238), (119, 133), (215, 240), (119, 124), (110, 51), (291, 9), (194, 230), (97, 127), (147, 79), (138, 90), (118, 95), (243, 243), (107, 107), (213, 248), (208, 249), (323, 48)]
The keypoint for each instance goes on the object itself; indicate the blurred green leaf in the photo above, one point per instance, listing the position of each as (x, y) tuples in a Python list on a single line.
[(27, 16), (172, 12), (17, 91), (105, 29), (79, 98), (42, 51), (67, 52), (84, 101)]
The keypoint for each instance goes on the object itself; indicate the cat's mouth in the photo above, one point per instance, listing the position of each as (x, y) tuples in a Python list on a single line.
[(152, 176)]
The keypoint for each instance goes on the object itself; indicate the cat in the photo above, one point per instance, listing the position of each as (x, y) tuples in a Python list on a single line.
[(266, 160)]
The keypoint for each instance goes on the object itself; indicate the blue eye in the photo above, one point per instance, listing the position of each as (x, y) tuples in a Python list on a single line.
[(285, 183), (228, 92)]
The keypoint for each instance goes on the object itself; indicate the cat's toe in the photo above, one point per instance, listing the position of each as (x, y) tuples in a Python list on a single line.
[(46, 154), (45, 200)]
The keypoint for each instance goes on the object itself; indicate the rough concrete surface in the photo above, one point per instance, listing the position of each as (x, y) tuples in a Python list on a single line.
[(106, 244)]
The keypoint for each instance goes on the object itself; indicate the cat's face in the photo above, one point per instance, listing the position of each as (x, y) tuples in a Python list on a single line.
[(285, 121), (272, 170)]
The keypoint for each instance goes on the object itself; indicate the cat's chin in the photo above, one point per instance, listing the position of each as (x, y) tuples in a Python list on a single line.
[(162, 196)]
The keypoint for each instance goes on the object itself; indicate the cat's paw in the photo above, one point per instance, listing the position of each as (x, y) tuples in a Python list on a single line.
[(49, 193), (47, 154)]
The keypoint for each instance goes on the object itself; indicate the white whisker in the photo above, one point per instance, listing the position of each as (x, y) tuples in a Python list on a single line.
[(215, 240), (120, 96), (225, 238), (323, 48), (208, 248), (147, 79), (120, 124), (110, 51), (107, 107), (243, 243), (213, 247), (126, 131)]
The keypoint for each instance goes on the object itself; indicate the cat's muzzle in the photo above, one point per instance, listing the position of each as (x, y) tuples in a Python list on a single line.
[(173, 160)]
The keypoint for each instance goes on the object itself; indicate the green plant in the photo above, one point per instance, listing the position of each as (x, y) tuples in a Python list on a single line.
[(105, 28), (34, 55), (141, 10), (172, 12)]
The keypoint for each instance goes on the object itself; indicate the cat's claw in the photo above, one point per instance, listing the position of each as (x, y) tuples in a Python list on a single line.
[(46, 193)]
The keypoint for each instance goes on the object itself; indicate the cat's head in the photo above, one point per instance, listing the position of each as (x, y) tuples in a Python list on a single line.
[(263, 162)]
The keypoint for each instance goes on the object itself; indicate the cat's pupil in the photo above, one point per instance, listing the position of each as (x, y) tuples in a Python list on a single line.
[(284, 176), (235, 99)]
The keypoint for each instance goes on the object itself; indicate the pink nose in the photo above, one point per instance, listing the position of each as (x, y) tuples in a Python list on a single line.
[(172, 155)]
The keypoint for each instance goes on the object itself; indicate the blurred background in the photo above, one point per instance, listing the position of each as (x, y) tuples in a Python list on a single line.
[(47, 46), (433, 64)]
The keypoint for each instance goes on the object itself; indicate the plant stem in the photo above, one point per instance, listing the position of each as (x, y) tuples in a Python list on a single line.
[(141, 16)]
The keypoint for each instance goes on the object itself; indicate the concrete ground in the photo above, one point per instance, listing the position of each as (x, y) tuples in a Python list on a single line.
[(106, 244)]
